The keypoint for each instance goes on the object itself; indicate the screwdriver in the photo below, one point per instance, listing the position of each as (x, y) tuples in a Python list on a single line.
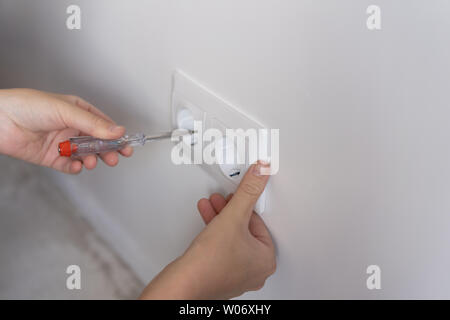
[(85, 145)]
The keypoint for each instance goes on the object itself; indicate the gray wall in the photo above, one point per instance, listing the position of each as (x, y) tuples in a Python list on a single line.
[(363, 116)]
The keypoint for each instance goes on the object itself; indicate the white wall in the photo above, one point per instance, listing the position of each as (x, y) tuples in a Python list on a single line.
[(363, 117)]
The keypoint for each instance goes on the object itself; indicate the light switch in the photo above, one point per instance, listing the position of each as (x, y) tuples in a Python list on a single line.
[(191, 100)]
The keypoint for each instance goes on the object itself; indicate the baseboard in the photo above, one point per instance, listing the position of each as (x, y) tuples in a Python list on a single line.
[(110, 230)]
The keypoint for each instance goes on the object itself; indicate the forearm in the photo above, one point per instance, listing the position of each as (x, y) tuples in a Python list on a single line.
[(172, 283), (7, 125)]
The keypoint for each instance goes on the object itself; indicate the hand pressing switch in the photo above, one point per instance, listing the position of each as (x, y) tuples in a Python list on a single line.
[(232, 163), (233, 254)]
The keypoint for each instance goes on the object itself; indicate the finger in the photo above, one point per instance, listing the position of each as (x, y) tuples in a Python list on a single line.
[(259, 230), (228, 198), (89, 161), (127, 151), (67, 165), (83, 104), (218, 202), (90, 123), (249, 190), (206, 210), (75, 167), (110, 158)]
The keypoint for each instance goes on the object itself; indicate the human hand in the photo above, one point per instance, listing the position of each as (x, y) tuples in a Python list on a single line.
[(232, 255), (32, 123)]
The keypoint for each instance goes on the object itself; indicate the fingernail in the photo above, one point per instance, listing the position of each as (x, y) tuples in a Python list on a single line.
[(264, 163), (261, 168), (116, 129)]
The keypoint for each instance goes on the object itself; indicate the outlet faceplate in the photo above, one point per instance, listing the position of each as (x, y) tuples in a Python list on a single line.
[(217, 113)]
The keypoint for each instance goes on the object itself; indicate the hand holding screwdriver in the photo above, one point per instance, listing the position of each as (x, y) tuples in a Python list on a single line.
[(33, 123)]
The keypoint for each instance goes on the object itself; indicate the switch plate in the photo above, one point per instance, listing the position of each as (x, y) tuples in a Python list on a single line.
[(214, 112)]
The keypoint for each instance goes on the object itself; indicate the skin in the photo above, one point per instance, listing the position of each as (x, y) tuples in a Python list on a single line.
[(233, 254), (34, 122)]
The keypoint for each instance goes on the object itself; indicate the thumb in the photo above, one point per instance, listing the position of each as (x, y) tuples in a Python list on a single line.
[(89, 123), (249, 190)]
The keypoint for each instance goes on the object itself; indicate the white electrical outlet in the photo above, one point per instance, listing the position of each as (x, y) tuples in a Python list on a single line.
[(192, 101)]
